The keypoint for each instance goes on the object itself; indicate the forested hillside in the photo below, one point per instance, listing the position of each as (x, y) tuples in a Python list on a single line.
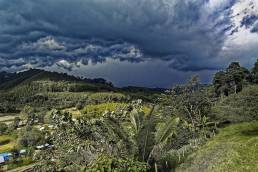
[(55, 122)]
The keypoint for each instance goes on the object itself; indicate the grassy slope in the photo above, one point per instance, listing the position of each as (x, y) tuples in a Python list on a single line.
[(239, 107), (234, 149)]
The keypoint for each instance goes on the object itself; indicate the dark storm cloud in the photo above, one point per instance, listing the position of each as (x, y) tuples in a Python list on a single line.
[(249, 20), (188, 34), (255, 29), (67, 53)]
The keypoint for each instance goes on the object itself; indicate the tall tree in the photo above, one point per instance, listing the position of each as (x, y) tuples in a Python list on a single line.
[(220, 83), (236, 76), (255, 73), (232, 80)]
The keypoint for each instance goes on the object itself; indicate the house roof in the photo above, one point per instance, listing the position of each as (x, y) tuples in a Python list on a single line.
[(2, 159), (4, 156)]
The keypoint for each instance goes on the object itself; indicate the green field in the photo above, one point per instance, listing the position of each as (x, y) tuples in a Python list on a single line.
[(93, 110), (6, 143), (234, 149), (99, 109)]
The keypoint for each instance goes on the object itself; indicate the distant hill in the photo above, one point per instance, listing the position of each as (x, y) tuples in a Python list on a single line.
[(11, 80), (58, 82), (143, 89)]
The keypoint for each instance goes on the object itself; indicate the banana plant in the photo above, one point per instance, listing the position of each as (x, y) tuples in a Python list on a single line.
[(152, 137)]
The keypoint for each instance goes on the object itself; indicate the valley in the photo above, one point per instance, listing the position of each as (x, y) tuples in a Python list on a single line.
[(55, 122)]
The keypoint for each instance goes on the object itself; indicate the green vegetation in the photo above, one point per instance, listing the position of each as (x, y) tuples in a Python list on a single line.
[(3, 128), (107, 97), (255, 72), (7, 143), (107, 163), (233, 149), (232, 80), (146, 143), (40, 80), (22, 162), (238, 107), (100, 109), (64, 123), (29, 137)]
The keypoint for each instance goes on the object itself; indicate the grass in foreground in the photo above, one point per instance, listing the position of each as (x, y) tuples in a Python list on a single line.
[(234, 149)]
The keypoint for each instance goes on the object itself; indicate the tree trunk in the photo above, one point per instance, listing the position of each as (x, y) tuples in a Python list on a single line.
[(156, 167)]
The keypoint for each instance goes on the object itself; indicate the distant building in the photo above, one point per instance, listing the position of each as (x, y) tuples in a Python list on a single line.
[(2, 160), (4, 157), (22, 123), (23, 151), (40, 147)]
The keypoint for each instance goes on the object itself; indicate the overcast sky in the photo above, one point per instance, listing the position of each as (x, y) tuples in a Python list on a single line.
[(154, 43)]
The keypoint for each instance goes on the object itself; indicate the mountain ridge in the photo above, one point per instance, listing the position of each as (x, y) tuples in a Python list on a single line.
[(11, 80)]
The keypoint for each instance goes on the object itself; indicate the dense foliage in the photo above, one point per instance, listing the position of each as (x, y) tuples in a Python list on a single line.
[(93, 126)]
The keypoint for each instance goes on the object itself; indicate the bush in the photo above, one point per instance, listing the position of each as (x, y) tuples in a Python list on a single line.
[(3, 128), (107, 163), (238, 107), (30, 137), (15, 124)]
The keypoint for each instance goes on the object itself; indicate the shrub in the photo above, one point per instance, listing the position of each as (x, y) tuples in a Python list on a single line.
[(30, 137), (238, 107), (3, 128), (108, 163)]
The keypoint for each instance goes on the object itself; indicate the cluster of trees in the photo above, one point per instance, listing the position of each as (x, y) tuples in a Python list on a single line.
[(6, 107), (254, 73), (241, 107), (179, 120), (234, 78), (122, 140), (31, 137), (6, 129)]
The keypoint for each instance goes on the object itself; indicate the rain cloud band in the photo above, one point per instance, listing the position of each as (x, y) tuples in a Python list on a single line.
[(190, 35)]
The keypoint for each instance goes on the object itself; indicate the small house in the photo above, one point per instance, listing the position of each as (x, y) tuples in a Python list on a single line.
[(40, 147), (22, 123), (23, 151), (45, 146), (2, 160), (42, 128), (4, 157)]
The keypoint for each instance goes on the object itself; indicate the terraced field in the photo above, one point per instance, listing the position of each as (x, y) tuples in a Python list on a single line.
[(7, 118)]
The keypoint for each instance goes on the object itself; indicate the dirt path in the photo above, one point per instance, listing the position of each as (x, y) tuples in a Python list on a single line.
[(22, 169)]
